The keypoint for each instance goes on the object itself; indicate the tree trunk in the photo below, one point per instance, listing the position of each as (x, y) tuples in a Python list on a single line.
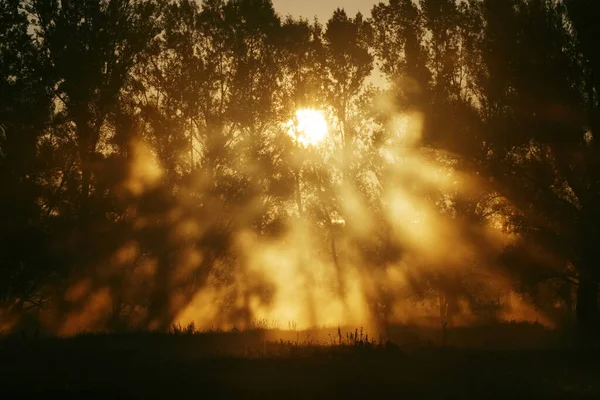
[(587, 301), (159, 316), (86, 173), (85, 192), (338, 270), (449, 307), (298, 193)]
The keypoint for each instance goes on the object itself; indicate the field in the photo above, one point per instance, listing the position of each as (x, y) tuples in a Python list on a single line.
[(476, 362)]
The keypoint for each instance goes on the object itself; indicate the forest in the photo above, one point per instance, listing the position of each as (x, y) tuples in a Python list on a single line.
[(217, 164)]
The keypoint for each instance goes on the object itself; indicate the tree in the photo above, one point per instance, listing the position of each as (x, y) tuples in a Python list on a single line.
[(348, 63), (400, 50), (90, 49), (25, 109)]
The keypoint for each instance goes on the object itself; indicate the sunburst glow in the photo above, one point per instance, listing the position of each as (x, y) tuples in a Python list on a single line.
[(309, 127)]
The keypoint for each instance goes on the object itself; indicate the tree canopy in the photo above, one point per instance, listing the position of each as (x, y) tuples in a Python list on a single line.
[(152, 170)]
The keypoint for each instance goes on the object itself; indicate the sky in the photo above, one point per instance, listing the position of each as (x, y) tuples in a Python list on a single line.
[(323, 9)]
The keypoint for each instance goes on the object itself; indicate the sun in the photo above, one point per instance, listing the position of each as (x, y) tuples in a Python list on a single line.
[(309, 127)]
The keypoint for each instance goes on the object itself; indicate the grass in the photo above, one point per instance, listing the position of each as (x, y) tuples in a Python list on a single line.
[(506, 360)]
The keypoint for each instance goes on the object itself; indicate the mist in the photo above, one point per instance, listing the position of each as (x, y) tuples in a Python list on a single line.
[(223, 165)]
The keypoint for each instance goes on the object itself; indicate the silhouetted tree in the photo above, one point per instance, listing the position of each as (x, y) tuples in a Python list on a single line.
[(157, 132), (25, 110)]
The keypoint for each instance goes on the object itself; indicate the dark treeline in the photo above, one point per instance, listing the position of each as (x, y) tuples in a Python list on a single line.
[(141, 139)]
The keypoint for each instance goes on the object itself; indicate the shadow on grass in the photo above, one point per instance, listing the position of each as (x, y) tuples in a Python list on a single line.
[(479, 362)]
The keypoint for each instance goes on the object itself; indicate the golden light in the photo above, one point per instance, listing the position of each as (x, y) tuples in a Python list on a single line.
[(309, 127)]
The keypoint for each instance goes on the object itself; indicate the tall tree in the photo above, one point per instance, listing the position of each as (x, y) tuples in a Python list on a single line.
[(25, 110), (90, 48)]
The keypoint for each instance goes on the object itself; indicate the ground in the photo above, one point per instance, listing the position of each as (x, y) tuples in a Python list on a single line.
[(256, 365)]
